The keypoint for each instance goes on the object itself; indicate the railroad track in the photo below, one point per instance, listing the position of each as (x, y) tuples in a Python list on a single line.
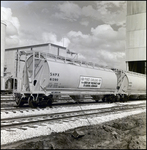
[(57, 105), (43, 118), (32, 123), (26, 108), (9, 101)]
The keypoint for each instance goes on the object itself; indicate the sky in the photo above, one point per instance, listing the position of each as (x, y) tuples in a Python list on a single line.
[(94, 29)]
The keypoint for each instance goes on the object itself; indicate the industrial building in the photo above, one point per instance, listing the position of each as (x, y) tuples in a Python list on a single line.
[(136, 36), (10, 67), (3, 33)]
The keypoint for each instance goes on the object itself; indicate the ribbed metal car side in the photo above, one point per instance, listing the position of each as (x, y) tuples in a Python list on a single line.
[(60, 76)]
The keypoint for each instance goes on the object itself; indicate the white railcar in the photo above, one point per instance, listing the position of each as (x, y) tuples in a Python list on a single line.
[(45, 76), (133, 84)]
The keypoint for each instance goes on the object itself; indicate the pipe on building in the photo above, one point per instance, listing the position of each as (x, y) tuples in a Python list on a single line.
[(3, 41)]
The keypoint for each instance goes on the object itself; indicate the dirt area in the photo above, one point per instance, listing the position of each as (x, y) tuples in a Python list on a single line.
[(126, 133)]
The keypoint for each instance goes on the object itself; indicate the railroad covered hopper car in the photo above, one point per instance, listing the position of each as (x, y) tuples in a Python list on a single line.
[(132, 84), (45, 76)]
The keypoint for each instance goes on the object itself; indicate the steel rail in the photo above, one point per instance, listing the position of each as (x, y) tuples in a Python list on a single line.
[(19, 121)]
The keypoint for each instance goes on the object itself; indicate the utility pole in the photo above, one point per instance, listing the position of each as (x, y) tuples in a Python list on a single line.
[(63, 42)]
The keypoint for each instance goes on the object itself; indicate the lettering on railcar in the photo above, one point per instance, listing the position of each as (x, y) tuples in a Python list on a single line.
[(90, 82), (54, 76), (54, 80)]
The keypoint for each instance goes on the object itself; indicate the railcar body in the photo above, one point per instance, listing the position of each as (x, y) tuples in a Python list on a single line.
[(52, 75), (132, 84), (47, 76)]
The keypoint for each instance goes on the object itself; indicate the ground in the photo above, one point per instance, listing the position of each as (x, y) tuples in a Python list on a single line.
[(126, 133)]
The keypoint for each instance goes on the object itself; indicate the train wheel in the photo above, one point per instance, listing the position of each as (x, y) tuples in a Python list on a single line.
[(96, 98), (49, 103), (31, 102), (121, 98), (126, 98), (50, 100), (108, 99), (117, 98), (113, 98), (19, 101), (103, 99)]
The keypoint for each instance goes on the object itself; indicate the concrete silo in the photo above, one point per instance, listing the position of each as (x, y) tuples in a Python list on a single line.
[(136, 36), (3, 40)]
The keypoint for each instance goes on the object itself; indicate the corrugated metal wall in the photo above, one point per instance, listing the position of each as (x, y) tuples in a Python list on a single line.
[(136, 31), (135, 7)]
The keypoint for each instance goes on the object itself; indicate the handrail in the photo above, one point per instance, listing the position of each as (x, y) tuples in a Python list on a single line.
[(65, 59)]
